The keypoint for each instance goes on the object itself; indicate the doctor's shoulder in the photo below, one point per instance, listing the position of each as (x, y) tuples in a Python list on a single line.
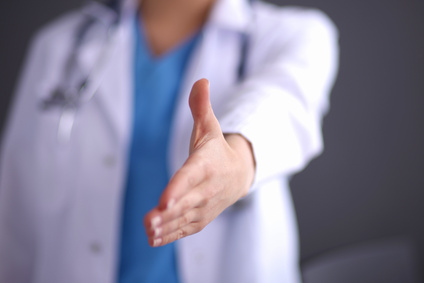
[(295, 17), (279, 26), (54, 40)]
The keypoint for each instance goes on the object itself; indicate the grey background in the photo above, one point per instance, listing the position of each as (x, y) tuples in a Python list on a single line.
[(368, 184)]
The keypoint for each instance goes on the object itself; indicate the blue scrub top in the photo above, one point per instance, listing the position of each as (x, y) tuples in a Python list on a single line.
[(157, 82)]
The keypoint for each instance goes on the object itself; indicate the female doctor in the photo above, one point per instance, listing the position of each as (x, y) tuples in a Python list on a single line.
[(101, 122)]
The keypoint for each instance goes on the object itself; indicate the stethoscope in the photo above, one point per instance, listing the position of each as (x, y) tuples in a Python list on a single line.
[(72, 93), (76, 88)]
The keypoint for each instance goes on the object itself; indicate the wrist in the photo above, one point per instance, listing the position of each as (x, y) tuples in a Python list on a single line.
[(247, 165)]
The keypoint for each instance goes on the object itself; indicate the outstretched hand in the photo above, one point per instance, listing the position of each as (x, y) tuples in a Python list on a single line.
[(218, 172)]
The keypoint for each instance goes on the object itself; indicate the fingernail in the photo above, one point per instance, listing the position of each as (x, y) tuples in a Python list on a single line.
[(170, 204), (155, 221), (158, 232), (157, 242)]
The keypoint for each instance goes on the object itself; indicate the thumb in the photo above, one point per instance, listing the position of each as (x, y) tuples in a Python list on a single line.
[(205, 126)]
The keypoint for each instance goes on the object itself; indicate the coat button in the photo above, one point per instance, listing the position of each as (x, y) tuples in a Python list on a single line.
[(95, 248), (109, 160)]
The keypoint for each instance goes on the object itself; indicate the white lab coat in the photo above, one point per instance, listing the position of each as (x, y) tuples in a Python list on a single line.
[(60, 205)]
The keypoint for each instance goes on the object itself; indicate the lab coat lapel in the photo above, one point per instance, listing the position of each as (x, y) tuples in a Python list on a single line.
[(114, 94)]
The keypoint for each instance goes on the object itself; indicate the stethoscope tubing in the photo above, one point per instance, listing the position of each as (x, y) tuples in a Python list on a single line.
[(70, 96)]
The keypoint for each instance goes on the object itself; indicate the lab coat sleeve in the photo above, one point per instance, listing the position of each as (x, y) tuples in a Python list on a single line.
[(15, 238), (280, 104), (22, 111)]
